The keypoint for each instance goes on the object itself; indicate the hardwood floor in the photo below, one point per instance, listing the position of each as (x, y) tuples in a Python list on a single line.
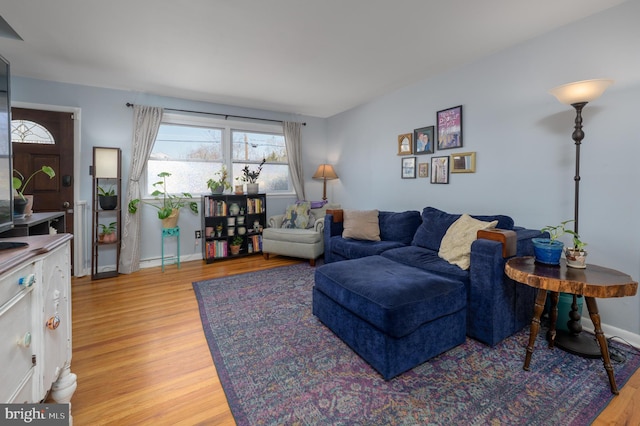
[(141, 356)]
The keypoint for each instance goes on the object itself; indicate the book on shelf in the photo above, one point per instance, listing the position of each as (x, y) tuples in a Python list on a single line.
[(255, 205), (216, 249), (216, 207)]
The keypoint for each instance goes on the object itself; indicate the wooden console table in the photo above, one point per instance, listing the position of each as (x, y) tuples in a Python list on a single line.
[(594, 281), (37, 224)]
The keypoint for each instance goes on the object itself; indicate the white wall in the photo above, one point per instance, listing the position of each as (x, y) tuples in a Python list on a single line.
[(522, 136)]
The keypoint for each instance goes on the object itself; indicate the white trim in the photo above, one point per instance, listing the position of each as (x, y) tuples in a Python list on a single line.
[(78, 252), (611, 331)]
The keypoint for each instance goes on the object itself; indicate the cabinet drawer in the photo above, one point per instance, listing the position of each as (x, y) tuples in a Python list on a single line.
[(25, 394), (16, 322), (10, 282)]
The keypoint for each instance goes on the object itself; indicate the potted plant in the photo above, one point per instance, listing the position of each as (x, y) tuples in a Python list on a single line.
[(20, 184), (107, 198), (236, 243), (251, 177), (220, 183), (107, 233), (576, 256), (549, 250), (169, 209)]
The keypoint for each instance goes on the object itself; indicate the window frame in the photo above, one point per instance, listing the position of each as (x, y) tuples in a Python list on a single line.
[(227, 126)]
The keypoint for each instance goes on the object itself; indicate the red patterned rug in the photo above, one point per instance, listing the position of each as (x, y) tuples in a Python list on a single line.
[(280, 366)]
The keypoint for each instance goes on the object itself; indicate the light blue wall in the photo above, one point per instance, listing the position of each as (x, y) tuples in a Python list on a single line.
[(522, 136), (106, 121)]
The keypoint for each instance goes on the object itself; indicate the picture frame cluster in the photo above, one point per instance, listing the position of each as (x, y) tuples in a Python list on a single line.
[(446, 134)]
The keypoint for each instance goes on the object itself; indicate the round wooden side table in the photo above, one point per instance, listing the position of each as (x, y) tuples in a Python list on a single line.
[(592, 282)]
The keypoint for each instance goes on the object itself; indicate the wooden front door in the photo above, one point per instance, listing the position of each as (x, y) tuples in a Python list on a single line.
[(50, 147)]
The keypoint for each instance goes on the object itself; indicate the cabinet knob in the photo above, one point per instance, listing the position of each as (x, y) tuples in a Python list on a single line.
[(25, 341), (53, 322), (27, 281)]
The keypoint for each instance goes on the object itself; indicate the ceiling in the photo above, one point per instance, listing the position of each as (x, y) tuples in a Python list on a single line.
[(311, 57)]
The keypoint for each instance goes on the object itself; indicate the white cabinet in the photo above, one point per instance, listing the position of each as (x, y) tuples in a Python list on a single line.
[(35, 321)]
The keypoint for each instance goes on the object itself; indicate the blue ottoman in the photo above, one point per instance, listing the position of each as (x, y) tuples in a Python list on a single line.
[(394, 316)]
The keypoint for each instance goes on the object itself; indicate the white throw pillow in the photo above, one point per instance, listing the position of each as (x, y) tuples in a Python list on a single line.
[(455, 246)]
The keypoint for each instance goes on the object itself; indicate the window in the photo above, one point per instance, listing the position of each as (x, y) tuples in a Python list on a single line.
[(25, 131), (193, 149)]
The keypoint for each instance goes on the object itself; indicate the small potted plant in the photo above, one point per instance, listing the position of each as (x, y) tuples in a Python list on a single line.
[(169, 209), (107, 198), (107, 233), (549, 250), (251, 177), (236, 243), (220, 183), (576, 256), (20, 205)]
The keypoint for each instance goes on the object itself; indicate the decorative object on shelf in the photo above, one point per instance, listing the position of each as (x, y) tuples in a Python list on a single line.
[(325, 172), (220, 183), (236, 243), (463, 162), (549, 250), (240, 219), (449, 128), (208, 231), (107, 198), (171, 203), (408, 168), (20, 184), (234, 209), (440, 169), (578, 94), (231, 221), (239, 190), (242, 230), (405, 145), (107, 233), (231, 231), (256, 225), (219, 230), (423, 140), (251, 177)]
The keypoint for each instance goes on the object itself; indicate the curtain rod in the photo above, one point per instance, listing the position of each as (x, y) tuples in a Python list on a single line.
[(226, 116)]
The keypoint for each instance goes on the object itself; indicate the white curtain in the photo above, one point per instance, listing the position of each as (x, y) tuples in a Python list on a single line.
[(146, 122), (291, 132)]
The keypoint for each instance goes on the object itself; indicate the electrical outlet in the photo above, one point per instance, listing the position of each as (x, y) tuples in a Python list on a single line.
[(198, 234)]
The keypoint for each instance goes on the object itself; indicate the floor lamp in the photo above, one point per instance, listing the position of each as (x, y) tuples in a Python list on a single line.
[(577, 95), (325, 172)]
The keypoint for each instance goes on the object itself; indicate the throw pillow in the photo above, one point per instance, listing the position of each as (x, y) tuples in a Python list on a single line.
[(455, 247), (361, 225), (297, 216)]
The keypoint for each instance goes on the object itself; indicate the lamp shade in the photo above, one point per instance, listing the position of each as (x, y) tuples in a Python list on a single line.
[(106, 162), (581, 91), (325, 171)]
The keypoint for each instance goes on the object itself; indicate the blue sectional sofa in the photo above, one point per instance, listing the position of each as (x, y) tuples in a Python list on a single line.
[(397, 303)]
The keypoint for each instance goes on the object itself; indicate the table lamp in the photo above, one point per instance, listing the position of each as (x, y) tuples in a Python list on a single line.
[(325, 172)]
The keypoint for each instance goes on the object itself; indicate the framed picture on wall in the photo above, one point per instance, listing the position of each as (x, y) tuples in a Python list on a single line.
[(408, 168), (449, 128), (440, 169), (405, 145), (463, 162), (423, 170), (423, 140)]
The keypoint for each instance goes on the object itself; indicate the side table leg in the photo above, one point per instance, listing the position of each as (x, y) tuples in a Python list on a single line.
[(535, 325), (553, 319), (604, 349)]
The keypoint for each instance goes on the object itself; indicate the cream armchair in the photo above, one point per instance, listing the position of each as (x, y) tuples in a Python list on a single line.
[(304, 243)]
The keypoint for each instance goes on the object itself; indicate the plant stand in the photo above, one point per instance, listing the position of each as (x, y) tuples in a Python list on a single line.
[(169, 233)]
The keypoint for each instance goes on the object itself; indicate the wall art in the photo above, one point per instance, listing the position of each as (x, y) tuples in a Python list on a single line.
[(440, 169), (449, 128), (423, 140), (423, 170), (408, 168), (405, 146), (463, 162)]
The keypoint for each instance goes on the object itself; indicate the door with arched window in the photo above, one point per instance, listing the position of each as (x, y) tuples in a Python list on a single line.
[(45, 138)]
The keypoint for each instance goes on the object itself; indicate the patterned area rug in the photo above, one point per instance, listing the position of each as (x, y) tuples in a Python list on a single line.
[(280, 366)]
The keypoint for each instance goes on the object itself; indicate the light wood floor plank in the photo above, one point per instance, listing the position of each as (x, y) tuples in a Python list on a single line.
[(142, 359)]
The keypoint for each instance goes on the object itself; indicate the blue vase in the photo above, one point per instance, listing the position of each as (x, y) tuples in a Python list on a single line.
[(547, 251)]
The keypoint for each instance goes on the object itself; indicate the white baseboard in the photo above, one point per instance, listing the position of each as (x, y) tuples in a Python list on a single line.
[(611, 331)]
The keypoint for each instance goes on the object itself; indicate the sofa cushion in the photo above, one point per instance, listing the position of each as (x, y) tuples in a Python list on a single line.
[(395, 298), (399, 226), (427, 260), (354, 249), (361, 225), (455, 246), (435, 224), (297, 215)]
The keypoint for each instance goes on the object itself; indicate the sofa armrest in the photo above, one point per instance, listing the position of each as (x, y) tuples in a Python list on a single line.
[(276, 221), (331, 229)]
